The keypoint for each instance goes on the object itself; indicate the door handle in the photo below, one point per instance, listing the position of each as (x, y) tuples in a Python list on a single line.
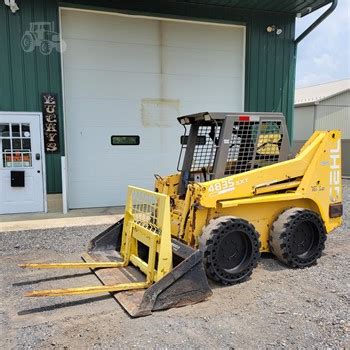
[(37, 156)]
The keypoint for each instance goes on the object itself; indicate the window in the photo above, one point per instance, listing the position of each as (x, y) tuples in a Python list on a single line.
[(125, 140), (201, 140), (15, 145), (4, 130)]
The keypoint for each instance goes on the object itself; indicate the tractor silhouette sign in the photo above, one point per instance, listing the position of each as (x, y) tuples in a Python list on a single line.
[(42, 35)]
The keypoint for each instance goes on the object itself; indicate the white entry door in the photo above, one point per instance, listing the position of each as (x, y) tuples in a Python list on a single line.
[(21, 163)]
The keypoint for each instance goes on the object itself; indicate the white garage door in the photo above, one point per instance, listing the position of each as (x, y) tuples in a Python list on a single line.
[(134, 76)]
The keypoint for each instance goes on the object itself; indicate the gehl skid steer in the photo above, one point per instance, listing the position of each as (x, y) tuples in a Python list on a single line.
[(237, 193)]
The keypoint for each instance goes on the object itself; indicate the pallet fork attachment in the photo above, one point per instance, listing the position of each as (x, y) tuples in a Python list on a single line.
[(138, 262)]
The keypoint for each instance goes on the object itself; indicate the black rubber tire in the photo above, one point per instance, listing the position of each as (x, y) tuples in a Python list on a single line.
[(222, 266), (298, 237)]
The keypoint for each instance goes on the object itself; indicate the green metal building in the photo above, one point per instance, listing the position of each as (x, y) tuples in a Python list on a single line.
[(130, 67)]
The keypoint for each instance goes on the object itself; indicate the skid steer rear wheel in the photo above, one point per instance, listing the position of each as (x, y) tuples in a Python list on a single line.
[(298, 237), (231, 249)]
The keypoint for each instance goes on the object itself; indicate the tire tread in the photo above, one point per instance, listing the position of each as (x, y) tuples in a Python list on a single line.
[(206, 240), (281, 232)]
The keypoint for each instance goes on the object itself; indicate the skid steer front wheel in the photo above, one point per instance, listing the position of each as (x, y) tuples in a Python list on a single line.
[(231, 249), (298, 237)]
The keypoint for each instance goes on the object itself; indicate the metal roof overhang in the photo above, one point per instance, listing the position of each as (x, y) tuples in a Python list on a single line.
[(298, 8)]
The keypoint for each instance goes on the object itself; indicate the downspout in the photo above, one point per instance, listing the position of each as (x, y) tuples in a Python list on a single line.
[(317, 22), (301, 37)]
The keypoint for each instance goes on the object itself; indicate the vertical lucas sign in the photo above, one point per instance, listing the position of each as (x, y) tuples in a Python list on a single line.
[(51, 131)]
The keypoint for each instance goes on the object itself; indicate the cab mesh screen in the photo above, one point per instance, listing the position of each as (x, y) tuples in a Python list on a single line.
[(253, 145), (204, 154)]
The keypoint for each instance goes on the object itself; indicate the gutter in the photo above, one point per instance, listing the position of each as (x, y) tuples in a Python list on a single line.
[(317, 22), (320, 99)]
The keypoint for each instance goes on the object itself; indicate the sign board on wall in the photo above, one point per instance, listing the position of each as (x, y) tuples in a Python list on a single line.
[(50, 122)]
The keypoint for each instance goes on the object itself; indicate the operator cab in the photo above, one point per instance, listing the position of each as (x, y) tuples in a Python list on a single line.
[(216, 145)]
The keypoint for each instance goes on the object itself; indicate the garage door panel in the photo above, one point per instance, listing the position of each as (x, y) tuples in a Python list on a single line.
[(146, 157), (108, 154), (110, 194), (96, 112), (88, 140), (139, 177), (118, 173), (215, 104), (108, 84), (193, 35), (201, 62), (101, 137), (128, 76), (115, 154), (123, 114), (141, 154), (182, 87), (81, 198), (203, 106), (108, 28), (120, 57)]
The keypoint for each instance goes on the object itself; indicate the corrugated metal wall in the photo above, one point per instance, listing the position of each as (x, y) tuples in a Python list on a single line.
[(24, 76), (342, 99), (332, 113), (270, 67), (335, 113), (345, 146), (270, 59), (303, 124)]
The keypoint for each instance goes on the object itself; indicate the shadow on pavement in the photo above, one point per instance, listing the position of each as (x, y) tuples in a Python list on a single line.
[(63, 305), (26, 283)]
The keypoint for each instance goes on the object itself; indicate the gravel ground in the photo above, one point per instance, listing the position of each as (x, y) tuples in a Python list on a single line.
[(278, 307)]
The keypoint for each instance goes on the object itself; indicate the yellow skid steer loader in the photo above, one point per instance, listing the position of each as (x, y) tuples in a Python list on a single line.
[(237, 193)]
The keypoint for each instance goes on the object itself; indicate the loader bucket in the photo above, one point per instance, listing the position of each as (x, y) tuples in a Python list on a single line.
[(185, 284), (138, 262)]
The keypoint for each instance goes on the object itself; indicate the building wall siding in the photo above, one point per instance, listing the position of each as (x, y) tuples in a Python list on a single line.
[(270, 59), (332, 113), (342, 99), (345, 159), (335, 113), (24, 76), (303, 122), (270, 67)]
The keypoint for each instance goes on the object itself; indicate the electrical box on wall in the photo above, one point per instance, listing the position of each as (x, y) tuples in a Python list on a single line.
[(17, 179)]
